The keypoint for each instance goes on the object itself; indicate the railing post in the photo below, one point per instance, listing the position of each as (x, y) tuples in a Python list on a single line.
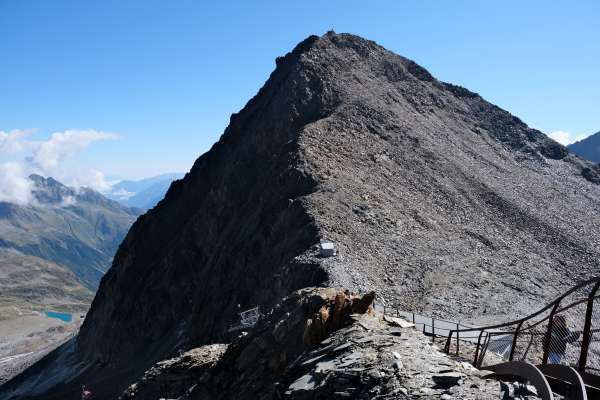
[(585, 342), (548, 336), (432, 330), (457, 339), (448, 341), (514, 343), (477, 348), (414, 319)]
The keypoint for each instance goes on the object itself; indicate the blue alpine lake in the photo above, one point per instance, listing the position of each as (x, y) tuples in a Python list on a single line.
[(58, 315)]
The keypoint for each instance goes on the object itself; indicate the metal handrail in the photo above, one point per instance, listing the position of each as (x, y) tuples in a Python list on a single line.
[(433, 326), (535, 314), (523, 326), (518, 328)]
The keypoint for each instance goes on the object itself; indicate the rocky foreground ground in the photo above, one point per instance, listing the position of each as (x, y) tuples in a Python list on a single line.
[(323, 344)]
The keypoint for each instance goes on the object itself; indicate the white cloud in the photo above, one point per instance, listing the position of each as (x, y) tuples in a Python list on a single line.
[(566, 138), (15, 187), (68, 201), (48, 154), (91, 178), (45, 157), (13, 141)]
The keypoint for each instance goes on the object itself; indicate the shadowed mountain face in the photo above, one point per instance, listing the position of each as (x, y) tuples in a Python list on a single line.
[(588, 148), (76, 229), (436, 199)]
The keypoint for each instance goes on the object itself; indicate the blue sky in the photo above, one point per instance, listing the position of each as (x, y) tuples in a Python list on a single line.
[(164, 76)]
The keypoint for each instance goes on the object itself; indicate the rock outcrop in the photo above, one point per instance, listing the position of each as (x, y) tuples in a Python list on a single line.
[(436, 199), (364, 358), (334, 314), (172, 378)]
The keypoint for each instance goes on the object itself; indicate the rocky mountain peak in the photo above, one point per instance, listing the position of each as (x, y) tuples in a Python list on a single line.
[(41, 181), (434, 198), (350, 142), (50, 191)]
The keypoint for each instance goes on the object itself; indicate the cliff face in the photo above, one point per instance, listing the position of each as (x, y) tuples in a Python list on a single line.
[(435, 198)]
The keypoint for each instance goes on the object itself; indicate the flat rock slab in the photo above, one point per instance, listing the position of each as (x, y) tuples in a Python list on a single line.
[(394, 321), (447, 379), (305, 382)]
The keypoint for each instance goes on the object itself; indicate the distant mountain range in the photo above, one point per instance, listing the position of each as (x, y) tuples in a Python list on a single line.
[(143, 193), (54, 251), (588, 148), (77, 230)]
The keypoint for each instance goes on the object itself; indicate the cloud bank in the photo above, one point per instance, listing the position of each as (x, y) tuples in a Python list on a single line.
[(45, 157), (566, 138), (14, 141), (14, 185), (48, 154)]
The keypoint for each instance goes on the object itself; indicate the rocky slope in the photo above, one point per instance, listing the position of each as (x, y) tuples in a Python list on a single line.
[(588, 148), (77, 229), (435, 198)]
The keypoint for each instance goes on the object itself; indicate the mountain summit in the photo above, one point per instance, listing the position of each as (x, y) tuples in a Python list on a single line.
[(433, 197)]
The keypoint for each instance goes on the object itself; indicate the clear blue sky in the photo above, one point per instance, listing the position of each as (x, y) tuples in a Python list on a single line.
[(166, 75)]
